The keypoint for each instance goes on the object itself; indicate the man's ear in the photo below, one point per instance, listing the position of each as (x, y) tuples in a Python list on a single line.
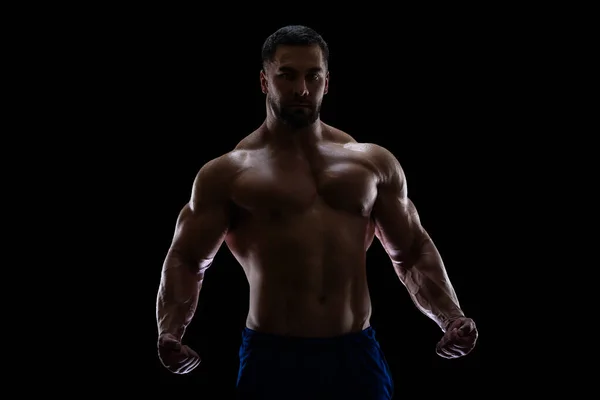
[(263, 81), (326, 83)]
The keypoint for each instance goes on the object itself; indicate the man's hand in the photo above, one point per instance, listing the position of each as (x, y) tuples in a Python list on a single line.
[(177, 358), (459, 339)]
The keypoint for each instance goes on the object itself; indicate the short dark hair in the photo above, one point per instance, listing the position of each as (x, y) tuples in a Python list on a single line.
[(293, 35)]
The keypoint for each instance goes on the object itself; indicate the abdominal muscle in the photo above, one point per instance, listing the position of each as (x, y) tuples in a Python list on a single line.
[(279, 309), (307, 278)]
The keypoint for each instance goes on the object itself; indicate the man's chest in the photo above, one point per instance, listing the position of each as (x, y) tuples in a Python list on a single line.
[(343, 182)]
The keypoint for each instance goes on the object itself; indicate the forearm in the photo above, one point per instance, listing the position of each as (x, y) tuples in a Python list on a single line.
[(429, 286), (178, 294)]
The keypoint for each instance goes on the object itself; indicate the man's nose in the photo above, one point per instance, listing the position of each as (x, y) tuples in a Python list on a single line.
[(300, 88)]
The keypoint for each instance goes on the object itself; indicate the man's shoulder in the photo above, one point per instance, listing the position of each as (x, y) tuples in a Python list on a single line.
[(220, 171), (381, 160), (230, 164), (379, 157), (369, 149), (374, 152), (252, 141), (336, 135), (340, 137), (225, 165)]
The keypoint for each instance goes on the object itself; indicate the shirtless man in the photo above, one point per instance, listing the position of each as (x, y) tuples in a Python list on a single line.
[(298, 203)]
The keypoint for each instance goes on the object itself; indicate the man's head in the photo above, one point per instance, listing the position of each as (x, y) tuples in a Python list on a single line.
[(295, 74)]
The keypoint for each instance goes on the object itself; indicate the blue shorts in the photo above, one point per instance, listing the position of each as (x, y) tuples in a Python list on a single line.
[(350, 366)]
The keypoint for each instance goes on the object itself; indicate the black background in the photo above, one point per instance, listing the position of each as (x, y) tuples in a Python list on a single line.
[(154, 94)]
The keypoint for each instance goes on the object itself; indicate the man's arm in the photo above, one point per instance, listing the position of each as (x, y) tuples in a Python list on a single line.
[(200, 231), (416, 260)]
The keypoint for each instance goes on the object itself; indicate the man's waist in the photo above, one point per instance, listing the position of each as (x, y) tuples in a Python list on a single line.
[(307, 324), (254, 337)]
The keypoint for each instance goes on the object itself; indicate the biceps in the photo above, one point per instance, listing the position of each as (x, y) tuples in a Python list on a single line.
[(398, 227), (200, 233)]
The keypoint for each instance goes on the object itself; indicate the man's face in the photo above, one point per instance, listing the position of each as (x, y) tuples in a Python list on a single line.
[(295, 83)]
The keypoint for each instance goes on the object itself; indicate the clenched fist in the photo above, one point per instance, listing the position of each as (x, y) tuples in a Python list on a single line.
[(177, 358), (459, 339)]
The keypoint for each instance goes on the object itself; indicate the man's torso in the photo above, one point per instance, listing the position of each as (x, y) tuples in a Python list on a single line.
[(300, 229)]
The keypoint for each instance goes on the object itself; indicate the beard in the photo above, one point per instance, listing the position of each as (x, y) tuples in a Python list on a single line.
[(295, 117)]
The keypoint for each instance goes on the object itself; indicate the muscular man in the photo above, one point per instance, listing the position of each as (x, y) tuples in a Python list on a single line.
[(298, 203)]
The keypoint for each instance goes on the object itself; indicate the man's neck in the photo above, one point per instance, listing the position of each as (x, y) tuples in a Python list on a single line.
[(280, 134)]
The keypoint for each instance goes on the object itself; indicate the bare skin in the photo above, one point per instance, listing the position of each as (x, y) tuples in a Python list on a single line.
[(299, 208)]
